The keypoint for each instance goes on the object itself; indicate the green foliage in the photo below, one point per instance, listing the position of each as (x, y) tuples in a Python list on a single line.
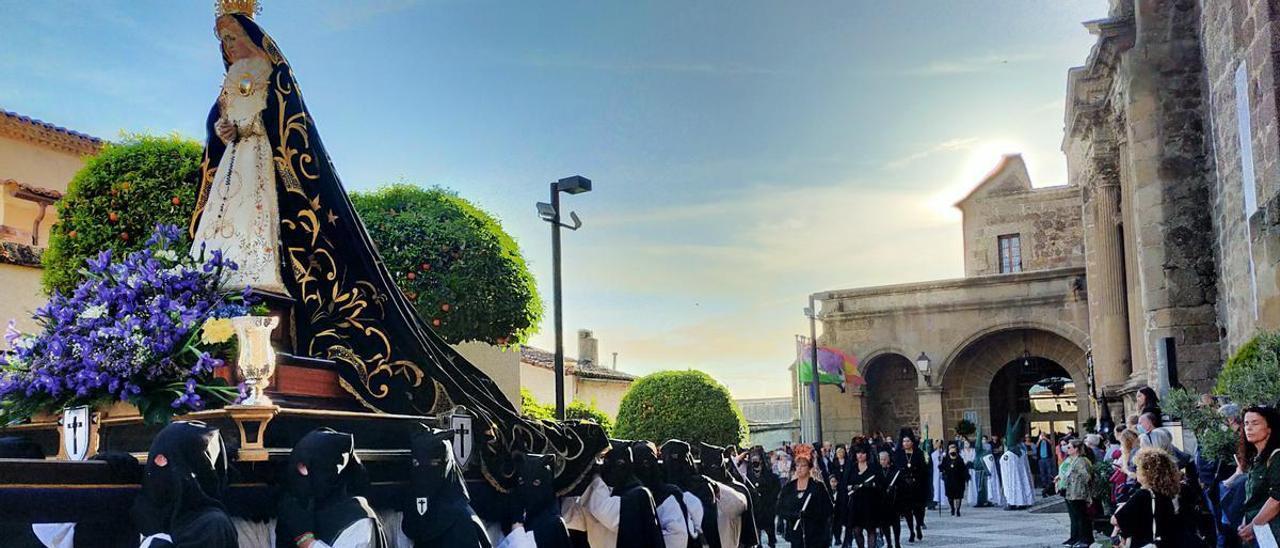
[(462, 272), (688, 405), (1213, 437), (966, 428), (530, 407), (576, 410), (1252, 375), (135, 182)]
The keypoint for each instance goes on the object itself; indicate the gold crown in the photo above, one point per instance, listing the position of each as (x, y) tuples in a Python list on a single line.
[(247, 8)]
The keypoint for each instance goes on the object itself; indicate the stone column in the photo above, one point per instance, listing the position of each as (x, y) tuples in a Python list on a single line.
[(1108, 302), (930, 400)]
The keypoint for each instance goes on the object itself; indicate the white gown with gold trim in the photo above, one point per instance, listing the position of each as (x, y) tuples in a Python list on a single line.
[(241, 216)]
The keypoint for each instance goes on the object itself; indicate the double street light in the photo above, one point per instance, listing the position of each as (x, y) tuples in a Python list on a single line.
[(550, 212)]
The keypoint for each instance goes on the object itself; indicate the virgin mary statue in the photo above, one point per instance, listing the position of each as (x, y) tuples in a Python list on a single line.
[(270, 199)]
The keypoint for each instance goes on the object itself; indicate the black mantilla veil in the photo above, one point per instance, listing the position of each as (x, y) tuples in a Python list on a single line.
[(349, 309)]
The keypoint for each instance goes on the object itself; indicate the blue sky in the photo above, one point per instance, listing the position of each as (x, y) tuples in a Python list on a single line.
[(744, 153)]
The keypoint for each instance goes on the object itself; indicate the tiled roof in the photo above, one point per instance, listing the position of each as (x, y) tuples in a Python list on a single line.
[(19, 254), (542, 358), (38, 191), (48, 133)]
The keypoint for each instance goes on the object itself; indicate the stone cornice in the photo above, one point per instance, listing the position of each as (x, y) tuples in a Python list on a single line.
[(1088, 85), (43, 133), (953, 283), (1044, 287)]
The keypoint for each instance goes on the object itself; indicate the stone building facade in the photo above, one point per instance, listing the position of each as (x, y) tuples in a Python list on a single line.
[(1023, 300), (1157, 260), (37, 161)]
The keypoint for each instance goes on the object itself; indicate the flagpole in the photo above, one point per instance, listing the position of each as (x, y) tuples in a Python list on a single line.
[(813, 357)]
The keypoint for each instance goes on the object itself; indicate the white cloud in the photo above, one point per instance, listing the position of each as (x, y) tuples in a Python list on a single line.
[(945, 146), (970, 65)]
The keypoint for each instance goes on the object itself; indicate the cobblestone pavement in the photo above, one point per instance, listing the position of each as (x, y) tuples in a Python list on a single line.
[(991, 527)]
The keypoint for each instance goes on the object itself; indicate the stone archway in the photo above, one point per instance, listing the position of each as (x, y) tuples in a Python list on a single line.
[(890, 394), (968, 377)]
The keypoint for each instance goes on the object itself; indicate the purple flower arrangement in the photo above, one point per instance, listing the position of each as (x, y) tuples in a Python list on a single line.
[(150, 329)]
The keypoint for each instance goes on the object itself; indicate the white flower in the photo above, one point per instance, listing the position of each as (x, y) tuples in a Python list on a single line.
[(94, 312), (167, 254)]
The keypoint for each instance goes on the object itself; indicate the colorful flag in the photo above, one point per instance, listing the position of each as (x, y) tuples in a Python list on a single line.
[(834, 366)]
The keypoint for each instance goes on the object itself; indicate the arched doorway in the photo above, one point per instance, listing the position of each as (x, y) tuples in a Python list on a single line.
[(1036, 391), (890, 394), (988, 379)]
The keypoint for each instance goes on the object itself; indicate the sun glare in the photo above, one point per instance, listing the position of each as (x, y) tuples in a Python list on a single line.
[(981, 161)]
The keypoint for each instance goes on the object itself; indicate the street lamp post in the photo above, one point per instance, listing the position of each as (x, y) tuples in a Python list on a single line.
[(576, 184), (922, 365), (812, 313)]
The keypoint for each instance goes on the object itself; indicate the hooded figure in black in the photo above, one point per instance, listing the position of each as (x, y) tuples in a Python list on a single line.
[(667, 498), (714, 466), (348, 306), (538, 502), (438, 511), (318, 500), (677, 463), (767, 487), (182, 486), (638, 523)]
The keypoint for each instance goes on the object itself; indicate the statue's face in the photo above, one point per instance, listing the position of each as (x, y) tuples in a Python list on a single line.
[(235, 42)]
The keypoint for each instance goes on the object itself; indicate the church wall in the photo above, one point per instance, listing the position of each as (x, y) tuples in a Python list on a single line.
[(37, 165), (501, 366), (1168, 177), (22, 295), (1237, 40)]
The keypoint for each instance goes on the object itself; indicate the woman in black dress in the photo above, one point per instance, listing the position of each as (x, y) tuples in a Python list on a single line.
[(894, 506), (805, 505), (836, 472), (916, 480), (955, 477), (866, 497)]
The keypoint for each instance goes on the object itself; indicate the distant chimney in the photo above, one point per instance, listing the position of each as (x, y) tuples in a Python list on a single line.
[(588, 348)]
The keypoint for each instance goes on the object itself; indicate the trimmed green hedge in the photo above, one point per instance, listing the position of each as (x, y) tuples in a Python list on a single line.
[(463, 273), (117, 199), (576, 410), (686, 405), (1252, 375)]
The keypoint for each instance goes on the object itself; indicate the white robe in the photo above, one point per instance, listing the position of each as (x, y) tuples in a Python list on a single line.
[(675, 530), (970, 490), (360, 534), (602, 513), (995, 493), (694, 506), (939, 488), (241, 214), (730, 508), (1016, 476)]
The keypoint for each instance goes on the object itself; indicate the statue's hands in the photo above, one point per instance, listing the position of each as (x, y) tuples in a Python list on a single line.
[(225, 130)]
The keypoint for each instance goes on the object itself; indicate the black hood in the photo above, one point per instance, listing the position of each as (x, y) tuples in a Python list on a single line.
[(535, 490), (619, 464), (647, 468), (334, 471), (677, 462), (713, 462), (186, 469), (437, 493)]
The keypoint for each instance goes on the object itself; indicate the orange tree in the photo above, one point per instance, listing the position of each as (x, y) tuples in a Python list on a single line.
[(116, 200), (463, 273)]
